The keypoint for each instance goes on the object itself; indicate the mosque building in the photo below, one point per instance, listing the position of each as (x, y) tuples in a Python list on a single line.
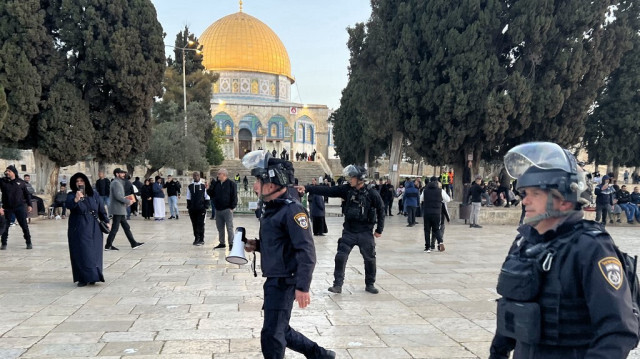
[(251, 101)]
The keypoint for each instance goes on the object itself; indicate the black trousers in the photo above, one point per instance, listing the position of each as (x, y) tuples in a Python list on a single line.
[(197, 217), (389, 207), (276, 334), (21, 218), (367, 245), (116, 222), (432, 230), (411, 214), (319, 225)]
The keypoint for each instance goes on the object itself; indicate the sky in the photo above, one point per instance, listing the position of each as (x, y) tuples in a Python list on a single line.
[(313, 32)]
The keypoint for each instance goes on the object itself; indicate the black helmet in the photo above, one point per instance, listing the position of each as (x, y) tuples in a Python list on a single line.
[(547, 166), (269, 169), (355, 171)]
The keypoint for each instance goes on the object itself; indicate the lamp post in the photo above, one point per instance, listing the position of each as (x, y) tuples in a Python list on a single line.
[(184, 77)]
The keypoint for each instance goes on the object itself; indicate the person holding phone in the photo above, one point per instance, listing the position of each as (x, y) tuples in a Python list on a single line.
[(84, 235)]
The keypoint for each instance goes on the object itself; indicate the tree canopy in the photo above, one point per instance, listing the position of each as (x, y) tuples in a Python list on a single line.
[(613, 131), (79, 78), (480, 76)]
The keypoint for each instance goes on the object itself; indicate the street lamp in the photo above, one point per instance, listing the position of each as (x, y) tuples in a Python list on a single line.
[(184, 76)]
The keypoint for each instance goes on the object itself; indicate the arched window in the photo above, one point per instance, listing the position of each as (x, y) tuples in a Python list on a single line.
[(227, 129), (309, 135), (300, 133)]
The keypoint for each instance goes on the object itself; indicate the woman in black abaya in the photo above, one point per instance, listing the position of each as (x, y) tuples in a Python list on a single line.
[(85, 237)]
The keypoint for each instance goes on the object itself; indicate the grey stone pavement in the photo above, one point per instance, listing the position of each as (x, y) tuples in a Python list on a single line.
[(170, 299)]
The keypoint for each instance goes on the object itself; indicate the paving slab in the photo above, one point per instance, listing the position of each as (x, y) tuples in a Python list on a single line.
[(170, 299)]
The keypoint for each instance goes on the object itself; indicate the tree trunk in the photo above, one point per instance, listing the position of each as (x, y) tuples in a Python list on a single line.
[(610, 168), (130, 169), (458, 170), (93, 171), (150, 172), (395, 157), (46, 174), (616, 171)]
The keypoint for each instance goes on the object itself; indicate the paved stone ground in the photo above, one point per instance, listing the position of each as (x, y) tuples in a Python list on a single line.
[(170, 299)]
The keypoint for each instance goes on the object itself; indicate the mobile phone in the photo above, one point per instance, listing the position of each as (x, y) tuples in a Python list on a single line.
[(81, 189)]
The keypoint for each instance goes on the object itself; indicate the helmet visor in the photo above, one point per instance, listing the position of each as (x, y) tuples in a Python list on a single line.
[(254, 159), (350, 171), (544, 155)]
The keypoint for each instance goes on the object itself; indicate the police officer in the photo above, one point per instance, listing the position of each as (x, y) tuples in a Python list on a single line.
[(563, 287), (288, 256), (363, 208), (16, 200)]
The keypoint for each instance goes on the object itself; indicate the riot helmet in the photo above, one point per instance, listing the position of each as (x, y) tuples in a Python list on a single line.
[(269, 169), (355, 171), (547, 166)]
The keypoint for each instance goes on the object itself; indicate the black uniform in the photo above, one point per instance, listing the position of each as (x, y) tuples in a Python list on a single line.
[(288, 257), (582, 306), (362, 209), (197, 204), (15, 200)]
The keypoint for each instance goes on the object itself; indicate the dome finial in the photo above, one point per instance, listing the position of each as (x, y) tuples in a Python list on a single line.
[(240, 5)]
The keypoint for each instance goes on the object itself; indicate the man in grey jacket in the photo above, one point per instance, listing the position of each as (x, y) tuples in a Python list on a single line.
[(118, 210)]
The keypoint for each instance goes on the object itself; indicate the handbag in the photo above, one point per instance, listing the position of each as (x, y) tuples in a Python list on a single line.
[(102, 224)]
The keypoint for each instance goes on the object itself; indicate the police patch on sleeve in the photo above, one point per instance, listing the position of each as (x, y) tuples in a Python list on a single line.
[(302, 220), (612, 271)]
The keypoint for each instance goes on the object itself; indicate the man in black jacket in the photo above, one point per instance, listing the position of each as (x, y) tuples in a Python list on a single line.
[(363, 209), (103, 186), (225, 198), (173, 192), (432, 214), (16, 200), (197, 204)]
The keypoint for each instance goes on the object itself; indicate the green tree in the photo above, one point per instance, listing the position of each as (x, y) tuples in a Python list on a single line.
[(79, 79), (483, 75), (613, 131), (214, 147)]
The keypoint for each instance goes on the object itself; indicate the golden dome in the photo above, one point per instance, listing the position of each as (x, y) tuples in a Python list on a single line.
[(240, 42)]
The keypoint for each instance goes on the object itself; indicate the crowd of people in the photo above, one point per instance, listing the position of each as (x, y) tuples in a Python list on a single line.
[(553, 226)]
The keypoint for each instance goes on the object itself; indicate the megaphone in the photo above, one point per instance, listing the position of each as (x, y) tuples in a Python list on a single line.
[(236, 256)]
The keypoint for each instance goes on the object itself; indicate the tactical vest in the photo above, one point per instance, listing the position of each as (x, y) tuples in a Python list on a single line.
[(358, 206), (538, 314)]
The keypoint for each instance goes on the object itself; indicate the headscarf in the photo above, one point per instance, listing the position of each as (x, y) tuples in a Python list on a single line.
[(88, 190)]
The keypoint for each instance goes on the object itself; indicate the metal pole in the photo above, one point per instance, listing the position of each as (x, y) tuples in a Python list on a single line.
[(184, 87)]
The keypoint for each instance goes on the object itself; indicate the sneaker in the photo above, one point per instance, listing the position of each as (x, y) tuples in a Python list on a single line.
[(172, 217), (29, 246), (137, 245), (611, 221), (63, 216), (477, 226), (12, 224), (618, 221), (371, 289), (177, 217), (427, 250), (440, 247), (220, 246), (58, 217), (200, 243), (335, 289), (112, 248), (471, 225), (3, 247), (630, 222)]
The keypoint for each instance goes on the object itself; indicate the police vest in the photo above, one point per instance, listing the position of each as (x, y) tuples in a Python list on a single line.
[(538, 314), (358, 206)]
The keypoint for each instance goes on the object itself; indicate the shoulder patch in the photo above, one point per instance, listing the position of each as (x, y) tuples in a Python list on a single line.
[(302, 220), (611, 269)]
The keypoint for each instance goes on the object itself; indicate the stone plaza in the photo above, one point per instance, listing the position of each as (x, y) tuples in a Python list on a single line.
[(170, 299)]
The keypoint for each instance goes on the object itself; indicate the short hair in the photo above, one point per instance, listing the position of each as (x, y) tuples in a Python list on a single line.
[(27, 176), (223, 171)]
